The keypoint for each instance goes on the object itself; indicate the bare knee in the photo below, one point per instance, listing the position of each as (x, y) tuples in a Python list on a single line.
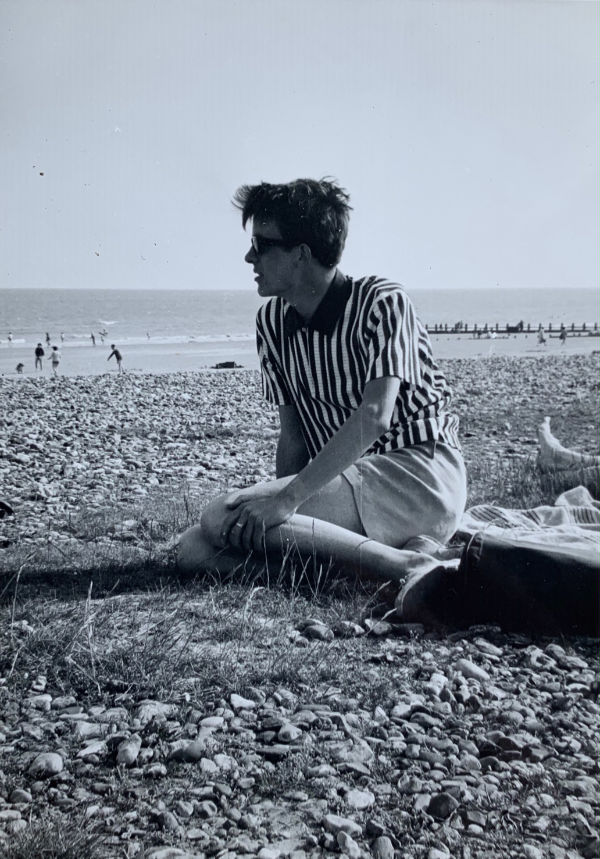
[(192, 549), (211, 520)]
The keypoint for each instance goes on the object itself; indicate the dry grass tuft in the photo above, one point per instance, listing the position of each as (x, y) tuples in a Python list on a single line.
[(46, 838)]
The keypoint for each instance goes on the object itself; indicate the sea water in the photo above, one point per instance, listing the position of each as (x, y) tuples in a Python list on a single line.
[(125, 317)]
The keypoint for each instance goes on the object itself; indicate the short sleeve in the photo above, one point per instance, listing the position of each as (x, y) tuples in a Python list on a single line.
[(394, 338), (274, 386)]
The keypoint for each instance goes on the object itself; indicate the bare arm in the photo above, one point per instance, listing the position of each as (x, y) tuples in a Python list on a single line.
[(363, 427), (263, 510), (292, 454)]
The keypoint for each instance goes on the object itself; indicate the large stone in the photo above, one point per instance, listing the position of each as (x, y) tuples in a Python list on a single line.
[(334, 823), (289, 733), (128, 750), (149, 710), (46, 764), (382, 848), (442, 805), (348, 845), (238, 702), (359, 799), (469, 669), (188, 752)]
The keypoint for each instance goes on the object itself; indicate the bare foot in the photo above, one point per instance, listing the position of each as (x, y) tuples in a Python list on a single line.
[(554, 457)]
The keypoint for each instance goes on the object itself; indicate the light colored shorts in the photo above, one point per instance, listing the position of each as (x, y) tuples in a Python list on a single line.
[(415, 490)]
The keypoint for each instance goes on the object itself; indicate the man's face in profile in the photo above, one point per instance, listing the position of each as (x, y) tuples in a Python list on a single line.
[(271, 259)]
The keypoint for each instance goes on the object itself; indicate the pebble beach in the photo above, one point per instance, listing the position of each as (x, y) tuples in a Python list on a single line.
[(463, 743), (71, 445)]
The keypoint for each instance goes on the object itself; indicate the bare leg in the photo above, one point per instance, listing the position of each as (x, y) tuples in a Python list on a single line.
[(309, 535)]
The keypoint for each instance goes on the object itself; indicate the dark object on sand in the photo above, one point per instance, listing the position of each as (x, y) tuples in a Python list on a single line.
[(226, 365)]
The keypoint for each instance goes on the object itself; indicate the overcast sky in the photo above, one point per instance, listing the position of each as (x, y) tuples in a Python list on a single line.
[(466, 133)]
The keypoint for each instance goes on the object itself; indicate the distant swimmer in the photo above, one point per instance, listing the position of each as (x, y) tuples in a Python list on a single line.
[(562, 335), (102, 335), (55, 359), (148, 334), (20, 367), (62, 337), (93, 339), (48, 341), (118, 357), (541, 335), (39, 354), (10, 337)]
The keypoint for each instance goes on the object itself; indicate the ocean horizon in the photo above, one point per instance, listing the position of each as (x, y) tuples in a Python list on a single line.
[(71, 316)]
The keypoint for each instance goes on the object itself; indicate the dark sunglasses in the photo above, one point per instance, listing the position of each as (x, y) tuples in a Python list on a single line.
[(261, 243)]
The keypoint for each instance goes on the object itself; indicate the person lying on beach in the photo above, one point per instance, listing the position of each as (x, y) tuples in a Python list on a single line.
[(368, 457), (118, 357)]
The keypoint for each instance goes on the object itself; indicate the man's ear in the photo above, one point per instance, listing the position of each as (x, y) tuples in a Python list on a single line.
[(304, 253)]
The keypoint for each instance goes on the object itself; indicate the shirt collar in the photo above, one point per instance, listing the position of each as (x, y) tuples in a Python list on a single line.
[(328, 311)]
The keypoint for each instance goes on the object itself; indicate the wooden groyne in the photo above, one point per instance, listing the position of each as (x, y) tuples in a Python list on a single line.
[(550, 330)]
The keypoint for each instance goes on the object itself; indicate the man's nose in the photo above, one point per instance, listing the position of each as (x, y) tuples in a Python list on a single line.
[(250, 256)]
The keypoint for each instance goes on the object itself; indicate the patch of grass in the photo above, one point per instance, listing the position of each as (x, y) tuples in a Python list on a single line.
[(507, 482), (46, 838), (289, 774), (161, 643), (108, 540)]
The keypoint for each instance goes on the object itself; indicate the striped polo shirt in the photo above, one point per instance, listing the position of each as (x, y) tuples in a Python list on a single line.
[(362, 330)]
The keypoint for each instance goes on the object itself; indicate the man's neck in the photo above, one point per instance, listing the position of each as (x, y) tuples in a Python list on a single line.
[(310, 294)]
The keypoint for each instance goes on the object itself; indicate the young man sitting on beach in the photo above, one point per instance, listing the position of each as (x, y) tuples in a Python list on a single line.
[(368, 457)]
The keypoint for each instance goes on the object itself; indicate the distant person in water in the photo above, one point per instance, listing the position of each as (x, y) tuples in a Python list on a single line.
[(93, 339), (20, 367), (62, 337), (48, 341), (39, 354), (55, 359), (9, 337), (368, 457), (562, 335), (541, 335), (118, 357)]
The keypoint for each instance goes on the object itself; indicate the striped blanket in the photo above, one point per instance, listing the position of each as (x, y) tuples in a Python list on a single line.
[(573, 520)]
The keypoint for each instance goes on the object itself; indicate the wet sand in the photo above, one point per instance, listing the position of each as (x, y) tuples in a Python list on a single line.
[(154, 357)]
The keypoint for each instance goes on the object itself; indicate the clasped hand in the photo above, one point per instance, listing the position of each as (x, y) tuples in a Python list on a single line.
[(250, 514)]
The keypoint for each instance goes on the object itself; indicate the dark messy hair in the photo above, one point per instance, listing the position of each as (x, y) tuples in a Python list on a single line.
[(307, 211)]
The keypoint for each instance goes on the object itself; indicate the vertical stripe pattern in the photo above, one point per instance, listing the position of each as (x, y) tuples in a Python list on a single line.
[(324, 375)]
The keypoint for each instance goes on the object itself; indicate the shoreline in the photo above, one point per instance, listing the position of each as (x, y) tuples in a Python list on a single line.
[(153, 357)]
